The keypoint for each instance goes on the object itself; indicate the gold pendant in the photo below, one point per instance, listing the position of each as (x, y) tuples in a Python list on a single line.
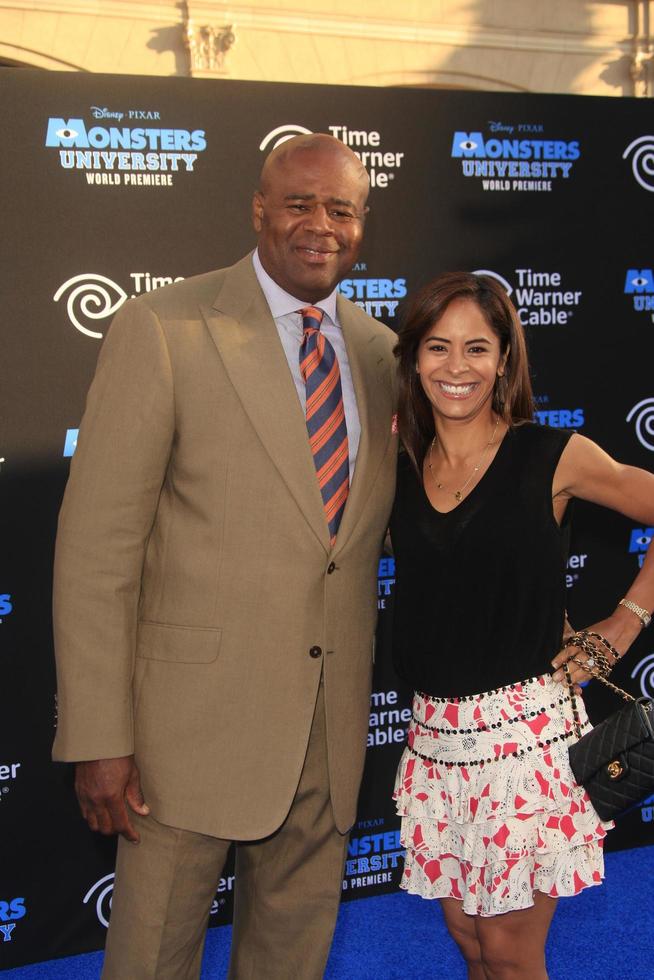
[(457, 495)]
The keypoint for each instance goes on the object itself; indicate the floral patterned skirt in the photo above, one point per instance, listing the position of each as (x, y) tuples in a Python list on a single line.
[(490, 809)]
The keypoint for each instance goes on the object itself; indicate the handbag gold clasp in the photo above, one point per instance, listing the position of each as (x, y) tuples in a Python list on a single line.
[(614, 769)]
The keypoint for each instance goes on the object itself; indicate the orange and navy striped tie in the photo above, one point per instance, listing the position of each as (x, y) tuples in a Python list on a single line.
[(325, 417)]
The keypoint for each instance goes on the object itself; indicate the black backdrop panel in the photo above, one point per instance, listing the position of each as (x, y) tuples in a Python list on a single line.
[(114, 185)]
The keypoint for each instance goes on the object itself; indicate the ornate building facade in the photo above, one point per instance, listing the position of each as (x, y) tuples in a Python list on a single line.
[(566, 46)]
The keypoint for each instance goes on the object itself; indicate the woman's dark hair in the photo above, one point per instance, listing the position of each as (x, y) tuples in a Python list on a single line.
[(512, 397)]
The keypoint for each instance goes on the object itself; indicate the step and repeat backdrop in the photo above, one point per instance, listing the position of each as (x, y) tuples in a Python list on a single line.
[(113, 186)]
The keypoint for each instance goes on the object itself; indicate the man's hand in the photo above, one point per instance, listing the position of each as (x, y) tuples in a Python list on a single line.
[(103, 787)]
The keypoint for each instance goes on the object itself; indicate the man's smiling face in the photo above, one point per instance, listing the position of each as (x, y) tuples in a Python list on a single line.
[(309, 215)]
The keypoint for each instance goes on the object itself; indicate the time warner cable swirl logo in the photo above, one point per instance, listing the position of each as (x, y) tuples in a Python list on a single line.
[(102, 893), (105, 889), (280, 134), (94, 297), (642, 161), (642, 415), (643, 672), (90, 299)]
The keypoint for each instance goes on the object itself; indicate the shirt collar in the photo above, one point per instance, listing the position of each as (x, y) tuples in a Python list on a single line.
[(280, 302)]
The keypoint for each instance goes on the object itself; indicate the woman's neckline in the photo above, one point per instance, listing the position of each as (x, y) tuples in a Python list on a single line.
[(444, 513)]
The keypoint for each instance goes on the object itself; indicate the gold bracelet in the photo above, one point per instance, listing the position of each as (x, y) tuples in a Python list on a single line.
[(644, 617)]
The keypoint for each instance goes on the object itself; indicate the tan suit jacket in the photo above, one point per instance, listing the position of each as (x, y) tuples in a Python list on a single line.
[(194, 573)]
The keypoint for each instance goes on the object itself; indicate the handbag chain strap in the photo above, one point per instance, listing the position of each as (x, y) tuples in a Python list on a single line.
[(583, 640)]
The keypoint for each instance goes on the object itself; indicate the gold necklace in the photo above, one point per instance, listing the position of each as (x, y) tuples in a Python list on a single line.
[(457, 494)]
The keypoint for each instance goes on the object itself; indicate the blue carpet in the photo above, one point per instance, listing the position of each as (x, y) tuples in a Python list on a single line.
[(604, 934)]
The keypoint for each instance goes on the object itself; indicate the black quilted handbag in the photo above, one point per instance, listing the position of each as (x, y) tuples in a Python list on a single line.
[(615, 761)]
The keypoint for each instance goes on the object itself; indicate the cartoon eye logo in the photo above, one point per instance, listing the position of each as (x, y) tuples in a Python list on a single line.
[(644, 671), (281, 134), (639, 282), (643, 415), (104, 887), (66, 134), (642, 163), (468, 145), (494, 275), (91, 299)]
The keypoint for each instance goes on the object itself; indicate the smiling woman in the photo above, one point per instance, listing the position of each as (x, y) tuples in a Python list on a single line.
[(493, 822), (461, 342), (460, 362)]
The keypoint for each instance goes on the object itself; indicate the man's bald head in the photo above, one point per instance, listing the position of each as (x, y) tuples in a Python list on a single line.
[(309, 214), (312, 144)]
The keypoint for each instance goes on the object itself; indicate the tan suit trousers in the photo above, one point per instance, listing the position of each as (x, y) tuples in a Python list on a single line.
[(286, 895)]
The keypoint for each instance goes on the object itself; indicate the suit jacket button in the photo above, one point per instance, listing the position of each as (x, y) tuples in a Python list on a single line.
[(331, 567), (315, 652)]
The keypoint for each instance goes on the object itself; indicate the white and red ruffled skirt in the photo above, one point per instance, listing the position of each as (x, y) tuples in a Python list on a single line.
[(490, 809)]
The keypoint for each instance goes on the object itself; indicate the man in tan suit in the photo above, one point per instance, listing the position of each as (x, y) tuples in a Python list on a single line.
[(214, 642)]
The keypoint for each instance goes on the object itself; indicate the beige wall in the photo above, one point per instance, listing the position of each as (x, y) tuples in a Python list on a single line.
[(600, 48)]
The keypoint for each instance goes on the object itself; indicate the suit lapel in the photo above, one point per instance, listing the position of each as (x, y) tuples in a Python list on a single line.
[(248, 343), (371, 376)]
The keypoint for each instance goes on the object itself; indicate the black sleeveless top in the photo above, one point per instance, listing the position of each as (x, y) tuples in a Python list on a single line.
[(480, 591)]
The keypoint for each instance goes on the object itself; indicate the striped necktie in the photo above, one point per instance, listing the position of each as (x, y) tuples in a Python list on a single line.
[(325, 417)]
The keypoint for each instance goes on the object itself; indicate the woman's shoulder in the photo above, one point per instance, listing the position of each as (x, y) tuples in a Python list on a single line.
[(539, 447), (540, 436)]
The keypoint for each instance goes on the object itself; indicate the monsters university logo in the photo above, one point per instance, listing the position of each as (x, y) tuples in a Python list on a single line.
[(639, 542), (129, 155), (6, 605), (378, 297), (514, 164), (639, 284), (10, 912)]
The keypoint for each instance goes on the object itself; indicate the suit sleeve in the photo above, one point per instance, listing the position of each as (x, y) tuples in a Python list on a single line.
[(117, 472)]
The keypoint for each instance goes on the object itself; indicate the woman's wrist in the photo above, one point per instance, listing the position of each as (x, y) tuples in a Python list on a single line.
[(626, 627), (641, 614)]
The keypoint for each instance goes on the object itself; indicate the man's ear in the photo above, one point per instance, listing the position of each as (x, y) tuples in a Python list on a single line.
[(257, 211)]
